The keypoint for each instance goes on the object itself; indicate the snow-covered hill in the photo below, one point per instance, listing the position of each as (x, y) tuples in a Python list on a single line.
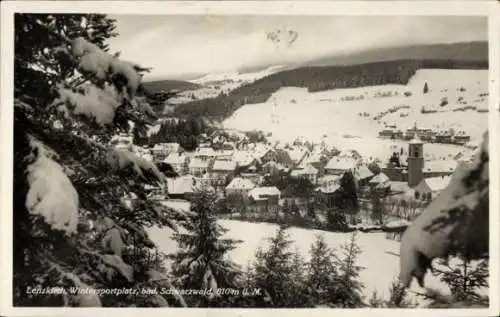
[(352, 118), (211, 85)]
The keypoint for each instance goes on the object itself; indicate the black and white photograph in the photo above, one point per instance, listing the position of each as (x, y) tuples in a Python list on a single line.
[(332, 161)]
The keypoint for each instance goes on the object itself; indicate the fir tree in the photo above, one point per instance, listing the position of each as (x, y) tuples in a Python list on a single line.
[(464, 279), (347, 200), (274, 271), (200, 263), (350, 288), (426, 88), (322, 273), (72, 226)]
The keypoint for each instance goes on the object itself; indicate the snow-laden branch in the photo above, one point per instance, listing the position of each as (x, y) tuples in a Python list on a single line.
[(51, 194)]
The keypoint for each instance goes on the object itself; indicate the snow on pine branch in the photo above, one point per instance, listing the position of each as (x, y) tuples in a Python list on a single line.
[(51, 194), (120, 159), (92, 102), (94, 63), (93, 60)]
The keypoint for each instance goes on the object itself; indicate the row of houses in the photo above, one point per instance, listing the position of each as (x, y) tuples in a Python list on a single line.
[(429, 135)]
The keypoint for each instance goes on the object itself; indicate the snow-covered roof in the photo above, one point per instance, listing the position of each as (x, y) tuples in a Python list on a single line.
[(205, 151), (296, 154), (175, 158), (380, 178), (437, 183), (363, 172), (223, 165), (329, 189), (257, 192), (240, 183), (341, 163), (307, 170), (243, 158), (440, 166), (416, 140), (198, 163)]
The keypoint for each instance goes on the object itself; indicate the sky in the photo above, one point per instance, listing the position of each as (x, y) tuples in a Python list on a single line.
[(182, 45)]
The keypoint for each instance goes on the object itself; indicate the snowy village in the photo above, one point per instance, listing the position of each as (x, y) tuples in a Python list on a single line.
[(294, 176)]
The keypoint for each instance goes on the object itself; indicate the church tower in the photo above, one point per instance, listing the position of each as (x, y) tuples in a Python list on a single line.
[(415, 161)]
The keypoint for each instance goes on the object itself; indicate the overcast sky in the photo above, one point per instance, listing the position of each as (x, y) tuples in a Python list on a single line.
[(179, 45)]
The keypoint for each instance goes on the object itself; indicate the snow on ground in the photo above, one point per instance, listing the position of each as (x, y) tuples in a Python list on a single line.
[(213, 84), (334, 115), (378, 257)]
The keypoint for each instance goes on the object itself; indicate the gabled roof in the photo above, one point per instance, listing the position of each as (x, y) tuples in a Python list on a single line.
[(363, 172), (380, 179), (241, 183), (434, 184)]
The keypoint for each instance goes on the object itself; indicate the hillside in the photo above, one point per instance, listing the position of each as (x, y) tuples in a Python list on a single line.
[(168, 85), (473, 51), (319, 78), (351, 118)]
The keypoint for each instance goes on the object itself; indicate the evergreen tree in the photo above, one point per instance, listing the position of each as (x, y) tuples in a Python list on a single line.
[(350, 288), (336, 219), (275, 271), (465, 279), (377, 214), (347, 200), (298, 294), (72, 226), (322, 274), (200, 263)]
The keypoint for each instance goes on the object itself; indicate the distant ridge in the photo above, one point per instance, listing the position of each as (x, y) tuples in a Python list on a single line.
[(168, 85), (462, 51)]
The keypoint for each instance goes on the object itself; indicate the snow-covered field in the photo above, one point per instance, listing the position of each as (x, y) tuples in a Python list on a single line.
[(379, 255), (213, 84), (334, 115)]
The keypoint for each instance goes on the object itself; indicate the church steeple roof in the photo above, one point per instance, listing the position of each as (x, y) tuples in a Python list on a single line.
[(416, 139)]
